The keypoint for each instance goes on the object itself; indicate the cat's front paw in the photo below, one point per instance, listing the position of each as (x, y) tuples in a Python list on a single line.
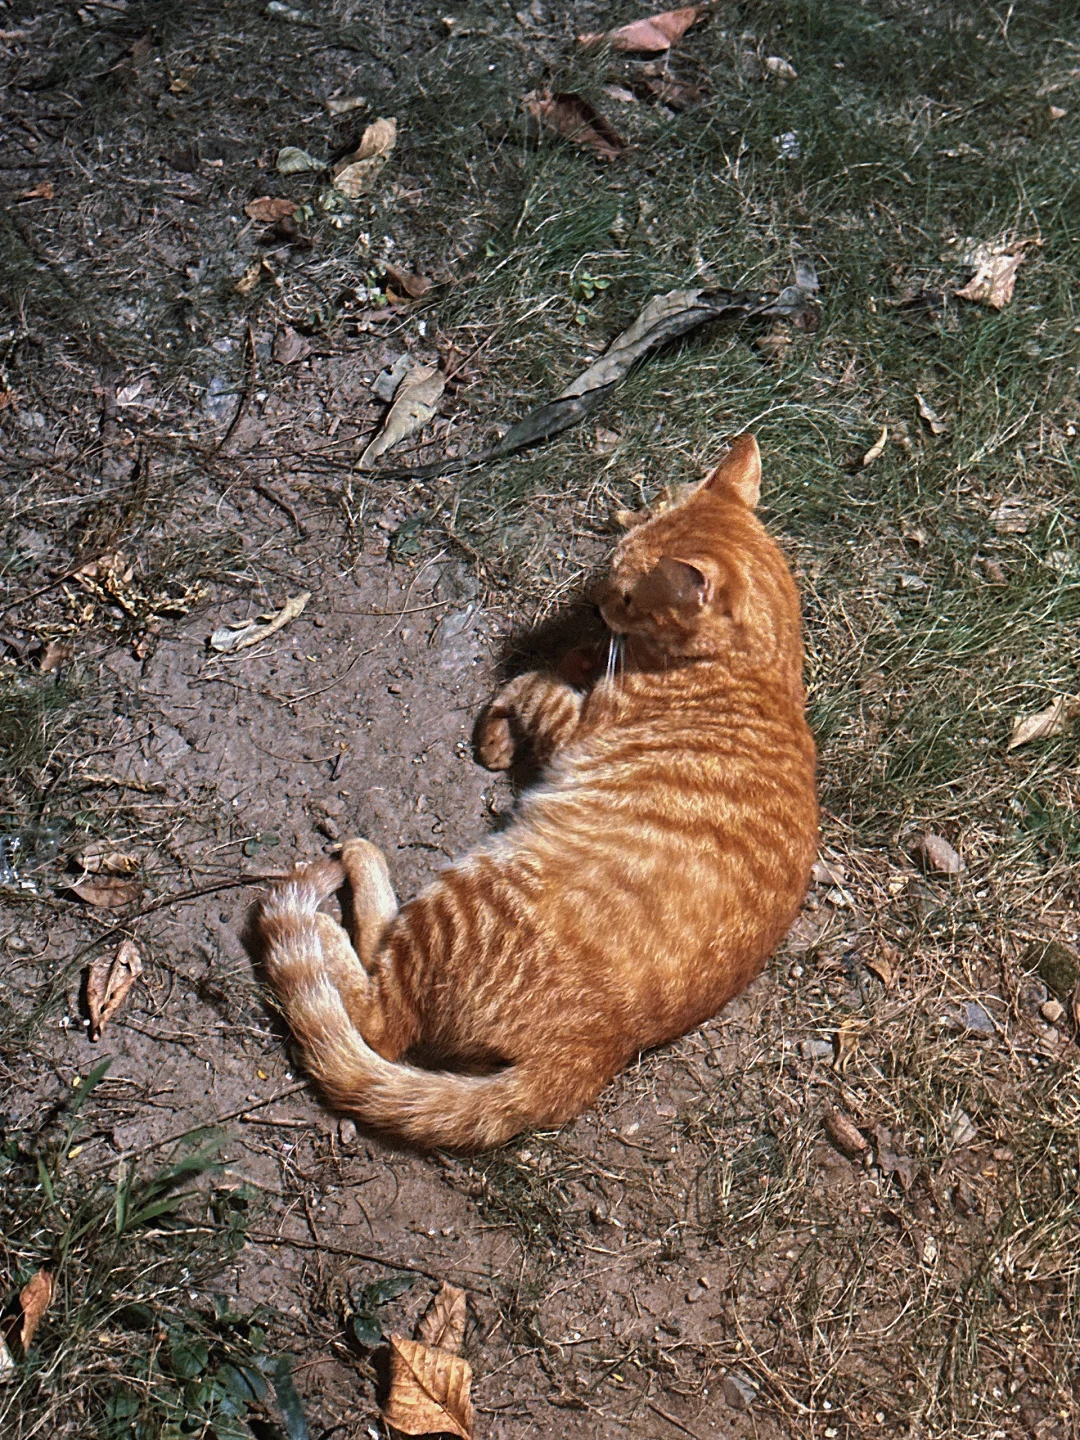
[(495, 742)]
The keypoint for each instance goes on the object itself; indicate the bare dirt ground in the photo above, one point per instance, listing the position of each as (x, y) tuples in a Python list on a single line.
[(702, 1255)]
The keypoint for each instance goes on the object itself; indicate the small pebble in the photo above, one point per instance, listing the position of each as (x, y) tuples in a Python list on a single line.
[(347, 1133), (739, 1390), (976, 1020), (1052, 1011), (694, 1295)]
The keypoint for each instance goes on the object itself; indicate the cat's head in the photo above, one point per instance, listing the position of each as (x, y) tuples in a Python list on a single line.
[(696, 579)]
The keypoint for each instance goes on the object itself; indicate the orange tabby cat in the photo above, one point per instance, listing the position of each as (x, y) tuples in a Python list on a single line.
[(643, 883)]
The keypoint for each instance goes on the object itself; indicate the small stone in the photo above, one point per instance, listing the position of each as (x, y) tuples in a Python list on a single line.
[(1052, 1011), (937, 856), (694, 1295), (329, 827), (976, 1020), (1056, 965), (740, 1392), (347, 1133), (816, 1049)]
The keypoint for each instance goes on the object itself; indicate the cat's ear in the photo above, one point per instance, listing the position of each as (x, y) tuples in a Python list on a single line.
[(672, 582), (739, 472)]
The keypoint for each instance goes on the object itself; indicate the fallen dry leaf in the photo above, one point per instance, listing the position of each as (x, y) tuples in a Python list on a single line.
[(993, 282), (107, 985), (268, 208), (881, 966), (443, 1324), (108, 893), (289, 346), (356, 173), (97, 858), (845, 1048), (415, 403), (656, 32), (575, 119), (1074, 1009), (961, 1129), (938, 425), (844, 1133), (57, 653), (1012, 516), (891, 1159), (34, 1298), (291, 160), (227, 639), (44, 191), (666, 90), (1051, 721), (780, 68), (827, 873), (342, 105), (429, 1391), (877, 447), (413, 285), (663, 318), (251, 277), (937, 856)]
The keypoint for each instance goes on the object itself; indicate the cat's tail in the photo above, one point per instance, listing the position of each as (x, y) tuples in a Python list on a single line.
[(428, 1108)]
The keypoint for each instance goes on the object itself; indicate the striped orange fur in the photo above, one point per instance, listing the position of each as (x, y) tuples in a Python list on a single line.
[(644, 882)]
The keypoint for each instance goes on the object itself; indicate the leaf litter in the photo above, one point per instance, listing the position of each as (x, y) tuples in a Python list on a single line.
[(429, 1380), (415, 403), (227, 639), (937, 423), (1044, 724), (664, 318), (35, 1297), (571, 116), (108, 892), (269, 208), (443, 1324), (654, 33), (356, 174), (108, 983), (994, 280)]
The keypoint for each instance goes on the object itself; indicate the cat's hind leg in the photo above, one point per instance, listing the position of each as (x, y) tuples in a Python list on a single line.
[(537, 710)]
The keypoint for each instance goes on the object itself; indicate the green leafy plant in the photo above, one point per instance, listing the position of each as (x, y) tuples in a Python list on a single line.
[(364, 1321)]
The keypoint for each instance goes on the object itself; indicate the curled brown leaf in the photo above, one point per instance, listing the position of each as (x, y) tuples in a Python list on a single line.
[(654, 33), (108, 892), (844, 1133), (34, 1299), (107, 985), (269, 208), (575, 119)]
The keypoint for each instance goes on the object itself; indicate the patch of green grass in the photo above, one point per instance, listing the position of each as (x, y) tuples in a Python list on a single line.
[(123, 1346)]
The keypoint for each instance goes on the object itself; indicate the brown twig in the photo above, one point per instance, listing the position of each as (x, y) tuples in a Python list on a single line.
[(672, 1420), (225, 448)]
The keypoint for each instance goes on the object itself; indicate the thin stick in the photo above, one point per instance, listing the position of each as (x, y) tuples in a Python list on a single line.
[(672, 1420), (348, 1254)]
